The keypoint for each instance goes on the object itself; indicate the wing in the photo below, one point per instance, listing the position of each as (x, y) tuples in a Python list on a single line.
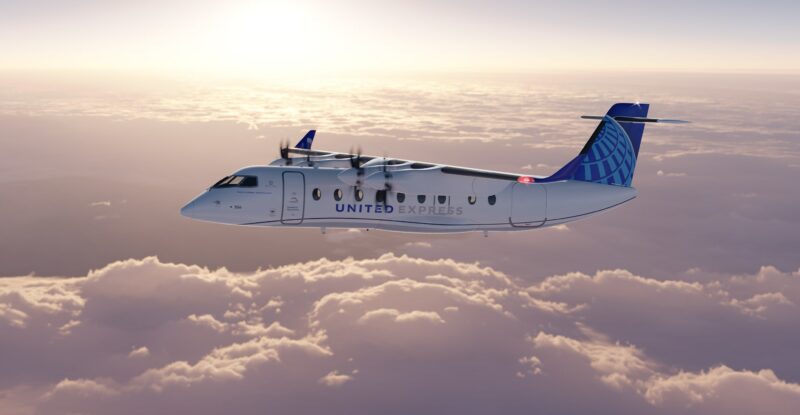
[(383, 173)]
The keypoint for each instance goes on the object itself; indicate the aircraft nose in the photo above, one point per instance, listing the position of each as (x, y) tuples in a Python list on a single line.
[(194, 208), (188, 210)]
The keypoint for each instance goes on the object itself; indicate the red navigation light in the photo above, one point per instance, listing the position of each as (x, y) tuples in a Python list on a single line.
[(525, 179)]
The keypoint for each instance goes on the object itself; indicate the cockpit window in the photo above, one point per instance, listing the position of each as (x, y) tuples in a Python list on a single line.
[(221, 181), (237, 181), (249, 181)]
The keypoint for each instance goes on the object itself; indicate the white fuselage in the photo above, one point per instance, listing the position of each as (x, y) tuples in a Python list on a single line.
[(421, 199)]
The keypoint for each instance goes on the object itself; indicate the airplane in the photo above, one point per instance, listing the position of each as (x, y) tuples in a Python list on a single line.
[(326, 189)]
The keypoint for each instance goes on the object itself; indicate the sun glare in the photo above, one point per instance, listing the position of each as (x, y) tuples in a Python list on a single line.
[(270, 36)]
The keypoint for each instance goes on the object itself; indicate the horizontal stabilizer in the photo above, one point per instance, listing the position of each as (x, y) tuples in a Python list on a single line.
[(636, 119)]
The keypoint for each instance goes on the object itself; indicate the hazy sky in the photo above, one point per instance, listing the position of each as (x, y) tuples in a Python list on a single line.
[(264, 38)]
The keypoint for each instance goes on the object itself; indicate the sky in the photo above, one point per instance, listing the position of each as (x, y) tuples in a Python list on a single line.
[(264, 38), (113, 116)]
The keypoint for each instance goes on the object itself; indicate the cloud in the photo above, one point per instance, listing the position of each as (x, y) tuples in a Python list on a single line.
[(427, 335), (391, 314), (24, 298), (81, 387), (334, 378), (724, 387), (226, 363), (618, 365), (662, 174), (728, 314), (14, 317), (628, 370), (418, 244), (342, 235), (140, 352)]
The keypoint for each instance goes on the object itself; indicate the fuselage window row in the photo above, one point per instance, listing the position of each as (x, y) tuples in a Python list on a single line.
[(381, 196)]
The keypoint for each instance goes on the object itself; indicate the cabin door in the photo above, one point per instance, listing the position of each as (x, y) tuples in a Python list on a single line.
[(294, 190), (528, 205)]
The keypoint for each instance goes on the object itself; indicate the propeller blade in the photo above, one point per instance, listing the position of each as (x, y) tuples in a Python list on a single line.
[(387, 186), (284, 151), (386, 173), (355, 162)]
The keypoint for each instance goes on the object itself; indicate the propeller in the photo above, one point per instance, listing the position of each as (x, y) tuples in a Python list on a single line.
[(365, 172), (387, 175), (284, 151), (387, 185), (356, 163)]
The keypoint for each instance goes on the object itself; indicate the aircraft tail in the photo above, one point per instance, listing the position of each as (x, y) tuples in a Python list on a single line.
[(609, 157), (307, 140)]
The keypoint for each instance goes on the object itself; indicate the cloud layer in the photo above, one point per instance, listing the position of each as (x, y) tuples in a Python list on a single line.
[(396, 334), (537, 110), (384, 332)]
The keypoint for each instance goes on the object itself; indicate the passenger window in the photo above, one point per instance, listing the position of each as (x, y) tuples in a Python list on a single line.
[(492, 199), (401, 197), (421, 198), (442, 199), (359, 195), (337, 194), (380, 196), (316, 194), (471, 199)]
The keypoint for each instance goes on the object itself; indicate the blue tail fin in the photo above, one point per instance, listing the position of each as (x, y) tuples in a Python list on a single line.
[(609, 157), (307, 140), (633, 129)]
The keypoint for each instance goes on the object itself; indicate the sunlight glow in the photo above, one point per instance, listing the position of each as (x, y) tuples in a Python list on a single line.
[(276, 38), (265, 36)]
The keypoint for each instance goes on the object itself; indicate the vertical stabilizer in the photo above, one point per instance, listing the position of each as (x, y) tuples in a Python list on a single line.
[(609, 157)]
